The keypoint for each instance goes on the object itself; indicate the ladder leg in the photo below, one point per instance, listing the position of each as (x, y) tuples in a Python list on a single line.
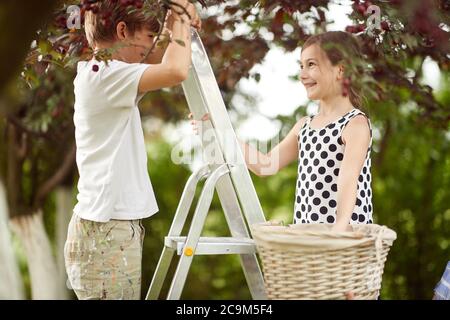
[(198, 221), (235, 220), (175, 230), (253, 275), (186, 201), (160, 274)]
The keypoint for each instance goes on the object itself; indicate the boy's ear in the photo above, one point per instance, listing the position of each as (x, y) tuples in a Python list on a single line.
[(121, 30), (340, 74)]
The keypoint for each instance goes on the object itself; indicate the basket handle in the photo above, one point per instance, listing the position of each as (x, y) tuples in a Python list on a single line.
[(379, 244)]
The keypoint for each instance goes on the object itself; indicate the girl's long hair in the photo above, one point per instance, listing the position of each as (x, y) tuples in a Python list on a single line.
[(341, 48)]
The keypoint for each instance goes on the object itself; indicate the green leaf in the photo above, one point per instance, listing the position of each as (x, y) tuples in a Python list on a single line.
[(180, 42)]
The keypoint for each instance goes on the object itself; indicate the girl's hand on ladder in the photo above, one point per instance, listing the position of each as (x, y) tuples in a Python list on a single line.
[(194, 123)]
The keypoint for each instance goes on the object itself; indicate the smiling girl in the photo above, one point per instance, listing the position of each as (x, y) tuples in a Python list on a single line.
[(332, 147)]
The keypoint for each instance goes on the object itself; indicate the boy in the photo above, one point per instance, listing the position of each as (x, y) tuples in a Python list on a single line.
[(103, 250)]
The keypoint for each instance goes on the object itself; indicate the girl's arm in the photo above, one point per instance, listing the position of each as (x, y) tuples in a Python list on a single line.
[(280, 156), (356, 137), (270, 163)]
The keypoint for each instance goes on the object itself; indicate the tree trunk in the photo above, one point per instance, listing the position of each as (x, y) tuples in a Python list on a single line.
[(64, 208), (45, 283), (11, 286)]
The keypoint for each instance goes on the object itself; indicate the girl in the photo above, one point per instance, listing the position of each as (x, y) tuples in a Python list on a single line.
[(332, 147)]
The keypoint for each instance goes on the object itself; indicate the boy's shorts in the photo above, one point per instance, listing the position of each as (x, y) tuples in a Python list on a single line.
[(104, 260)]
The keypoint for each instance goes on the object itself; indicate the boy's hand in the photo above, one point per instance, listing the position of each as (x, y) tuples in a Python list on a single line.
[(194, 123), (178, 13)]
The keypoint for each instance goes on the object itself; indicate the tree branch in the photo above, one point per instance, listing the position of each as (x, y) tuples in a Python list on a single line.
[(16, 122), (57, 178), (147, 53), (418, 72), (22, 150)]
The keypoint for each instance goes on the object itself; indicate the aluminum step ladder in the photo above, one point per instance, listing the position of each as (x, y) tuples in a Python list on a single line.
[(225, 172)]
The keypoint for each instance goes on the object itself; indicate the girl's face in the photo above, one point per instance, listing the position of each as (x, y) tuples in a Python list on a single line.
[(321, 79)]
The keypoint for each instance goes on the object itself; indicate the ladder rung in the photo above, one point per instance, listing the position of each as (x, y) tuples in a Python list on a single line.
[(214, 245)]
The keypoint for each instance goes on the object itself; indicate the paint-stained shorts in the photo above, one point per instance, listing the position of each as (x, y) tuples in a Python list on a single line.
[(104, 260)]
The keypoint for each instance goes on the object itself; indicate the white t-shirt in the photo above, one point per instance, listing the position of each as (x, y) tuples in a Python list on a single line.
[(111, 155)]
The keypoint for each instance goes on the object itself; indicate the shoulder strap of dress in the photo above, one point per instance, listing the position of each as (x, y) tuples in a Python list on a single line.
[(308, 120), (351, 115)]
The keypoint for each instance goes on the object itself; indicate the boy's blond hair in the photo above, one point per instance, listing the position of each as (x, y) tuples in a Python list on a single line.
[(101, 19)]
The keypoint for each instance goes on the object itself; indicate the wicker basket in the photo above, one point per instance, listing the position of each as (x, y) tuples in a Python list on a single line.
[(307, 261)]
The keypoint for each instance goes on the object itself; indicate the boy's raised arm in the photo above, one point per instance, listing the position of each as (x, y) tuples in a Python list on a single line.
[(175, 63)]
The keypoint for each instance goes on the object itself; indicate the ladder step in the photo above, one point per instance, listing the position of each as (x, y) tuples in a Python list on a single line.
[(214, 245)]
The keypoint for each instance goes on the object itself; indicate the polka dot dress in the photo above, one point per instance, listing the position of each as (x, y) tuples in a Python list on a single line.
[(320, 156)]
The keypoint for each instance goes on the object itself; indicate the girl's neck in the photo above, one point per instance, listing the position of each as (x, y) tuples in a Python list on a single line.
[(336, 105)]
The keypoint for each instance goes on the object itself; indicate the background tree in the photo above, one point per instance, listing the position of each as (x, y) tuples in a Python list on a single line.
[(24, 17)]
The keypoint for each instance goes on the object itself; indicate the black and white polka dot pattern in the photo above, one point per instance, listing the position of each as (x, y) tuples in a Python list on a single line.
[(320, 155)]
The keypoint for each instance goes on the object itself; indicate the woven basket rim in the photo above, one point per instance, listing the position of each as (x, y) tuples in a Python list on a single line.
[(319, 236)]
